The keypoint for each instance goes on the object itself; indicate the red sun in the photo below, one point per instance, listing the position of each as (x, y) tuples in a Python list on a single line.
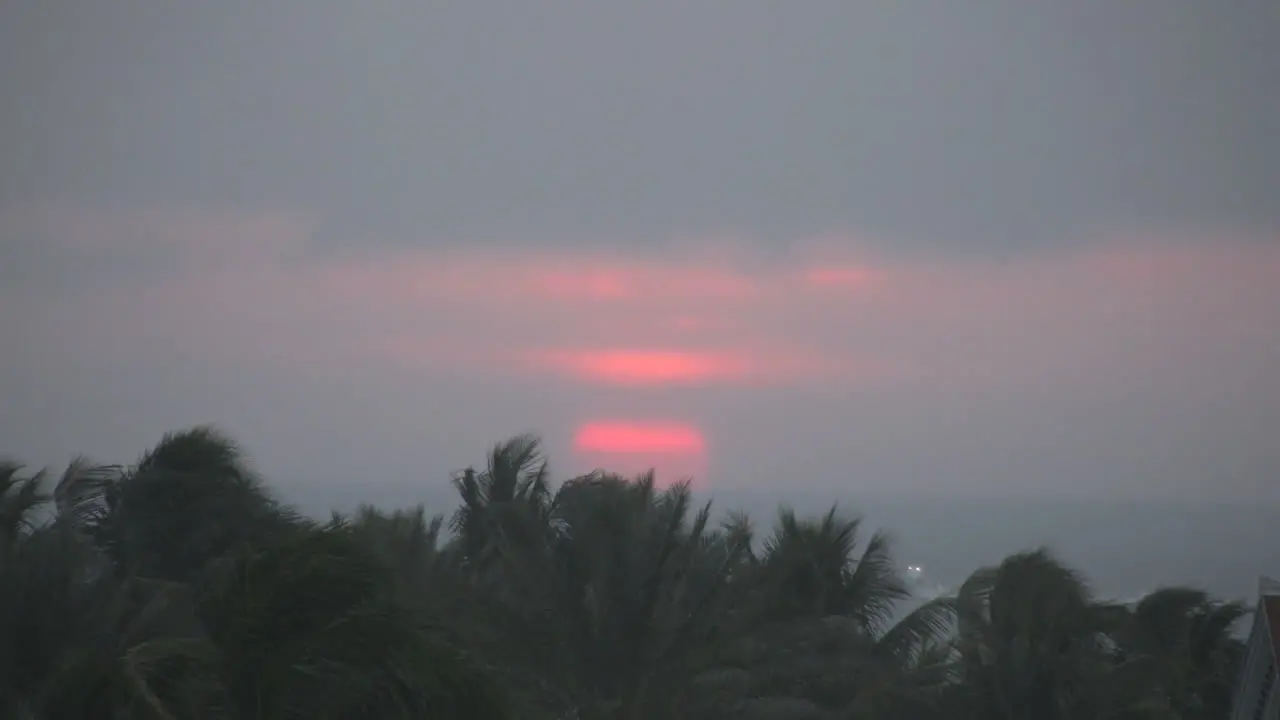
[(674, 450)]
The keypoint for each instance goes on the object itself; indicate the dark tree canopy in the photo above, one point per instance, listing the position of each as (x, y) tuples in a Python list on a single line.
[(181, 587)]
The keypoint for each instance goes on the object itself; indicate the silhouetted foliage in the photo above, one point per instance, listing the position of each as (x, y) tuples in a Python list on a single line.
[(179, 587)]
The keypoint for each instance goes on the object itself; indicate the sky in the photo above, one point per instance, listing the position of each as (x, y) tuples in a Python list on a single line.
[(979, 250)]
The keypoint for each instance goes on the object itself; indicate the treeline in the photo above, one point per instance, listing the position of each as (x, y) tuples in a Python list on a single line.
[(180, 587)]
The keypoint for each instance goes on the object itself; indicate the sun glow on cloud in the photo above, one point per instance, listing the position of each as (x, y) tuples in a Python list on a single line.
[(647, 367), (684, 318), (617, 330), (248, 289)]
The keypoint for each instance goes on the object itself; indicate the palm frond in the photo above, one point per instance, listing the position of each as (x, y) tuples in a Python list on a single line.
[(875, 587), (81, 493), (20, 498), (920, 630)]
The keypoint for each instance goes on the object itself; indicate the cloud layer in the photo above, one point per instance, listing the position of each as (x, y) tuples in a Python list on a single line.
[(936, 365)]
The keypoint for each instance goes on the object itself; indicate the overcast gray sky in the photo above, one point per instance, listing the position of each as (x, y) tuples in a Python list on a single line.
[(997, 246)]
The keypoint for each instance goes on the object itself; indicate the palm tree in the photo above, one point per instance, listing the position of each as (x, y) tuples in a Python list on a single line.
[(813, 569), (612, 594), (189, 500), (428, 576), (20, 499), (815, 628), (307, 628), (505, 506), (910, 669), (641, 581), (1031, 641), (1183, 639), (180, 588), (410, 543), (272, 617), (66, 621)]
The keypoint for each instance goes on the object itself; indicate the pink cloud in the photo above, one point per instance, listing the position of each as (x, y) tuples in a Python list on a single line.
[(684, 317), (986, 367), (639, 367), (646, 367)]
